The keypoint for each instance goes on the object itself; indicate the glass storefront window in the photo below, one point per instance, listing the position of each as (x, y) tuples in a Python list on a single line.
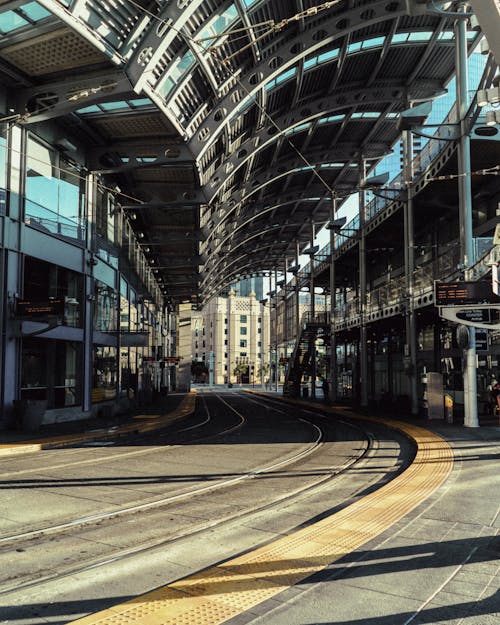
[(51, 370), (104, 373), (44, 280), (105, 313)]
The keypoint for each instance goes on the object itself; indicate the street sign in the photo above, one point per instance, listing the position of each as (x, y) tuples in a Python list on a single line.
[(481, 341), (485, 316)]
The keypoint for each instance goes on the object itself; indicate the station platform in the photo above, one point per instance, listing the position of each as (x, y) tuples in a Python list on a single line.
[(423, 549)]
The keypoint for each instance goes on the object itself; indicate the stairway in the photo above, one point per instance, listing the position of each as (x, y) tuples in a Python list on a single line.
[(300, 360)]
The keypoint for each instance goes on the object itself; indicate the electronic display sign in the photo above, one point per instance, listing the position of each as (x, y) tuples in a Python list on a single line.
[(28, 308), (457, 293)]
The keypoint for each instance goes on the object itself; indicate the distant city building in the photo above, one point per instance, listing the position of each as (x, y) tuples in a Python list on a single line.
[(247, 285), (229, 333)]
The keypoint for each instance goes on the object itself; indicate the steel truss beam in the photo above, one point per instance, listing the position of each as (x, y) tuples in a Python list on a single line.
[(101, 159), (60, 98), (289, 53), (262, 138), (339, 152)]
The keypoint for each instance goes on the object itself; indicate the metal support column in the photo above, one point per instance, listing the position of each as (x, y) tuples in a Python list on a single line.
[(276, 370), (410, 354), (465, 207), (297, 296), (363, 344), (333, 344), (285, 309), (271, 362), (313, 312)]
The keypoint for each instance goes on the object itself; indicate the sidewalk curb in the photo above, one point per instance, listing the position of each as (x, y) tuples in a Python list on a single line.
[(154, 422)]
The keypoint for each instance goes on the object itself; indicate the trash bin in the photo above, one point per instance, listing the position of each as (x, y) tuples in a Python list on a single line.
[(305, 392), (32, 411)]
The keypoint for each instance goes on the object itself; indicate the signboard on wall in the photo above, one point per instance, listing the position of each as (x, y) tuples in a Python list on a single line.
[(29, 308)]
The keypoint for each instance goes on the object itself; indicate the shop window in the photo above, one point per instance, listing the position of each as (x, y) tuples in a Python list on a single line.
[(105, 314), (104, 373), (44, 280), (426, 339), (51, 370)]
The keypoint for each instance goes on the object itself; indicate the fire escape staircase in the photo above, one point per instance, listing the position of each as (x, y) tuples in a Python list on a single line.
[(311, 328)]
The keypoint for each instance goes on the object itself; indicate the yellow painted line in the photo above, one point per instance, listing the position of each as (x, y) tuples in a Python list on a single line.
[(185, 408), (219, 593)]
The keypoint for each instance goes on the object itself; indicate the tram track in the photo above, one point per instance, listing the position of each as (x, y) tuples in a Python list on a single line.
[(171, 499), (17, 584)]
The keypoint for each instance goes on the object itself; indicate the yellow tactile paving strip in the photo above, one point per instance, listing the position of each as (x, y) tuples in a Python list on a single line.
[(145, 423), (222, 592)]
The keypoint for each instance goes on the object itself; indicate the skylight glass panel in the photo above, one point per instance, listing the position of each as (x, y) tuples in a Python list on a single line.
[(310, 63), (331, 119), (373, 43), (281, 78), (141, 102), (354, 47), (89, 109), (447, 35), (420, 36), (328, 56), (249, 3), (298, 128), (10, 21), (365, 115), (400, 38), (113, 106), (286, 75), (35, 11), (176, 73), (217, 26)]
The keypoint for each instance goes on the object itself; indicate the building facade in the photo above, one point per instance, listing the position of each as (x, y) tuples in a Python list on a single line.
[(84, 326), (231, 336)]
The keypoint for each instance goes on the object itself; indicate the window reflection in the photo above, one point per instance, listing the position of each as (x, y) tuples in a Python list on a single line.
[(104, 373), (54, 192)]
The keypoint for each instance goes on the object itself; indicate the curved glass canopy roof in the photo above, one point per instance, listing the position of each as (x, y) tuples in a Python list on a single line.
[(230, 122)]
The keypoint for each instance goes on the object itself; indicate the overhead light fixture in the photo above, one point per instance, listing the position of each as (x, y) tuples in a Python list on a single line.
[(488, 96), (492, 118)]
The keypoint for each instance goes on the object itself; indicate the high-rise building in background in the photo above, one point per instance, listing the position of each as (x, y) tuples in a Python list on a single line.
[(247, 285)]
